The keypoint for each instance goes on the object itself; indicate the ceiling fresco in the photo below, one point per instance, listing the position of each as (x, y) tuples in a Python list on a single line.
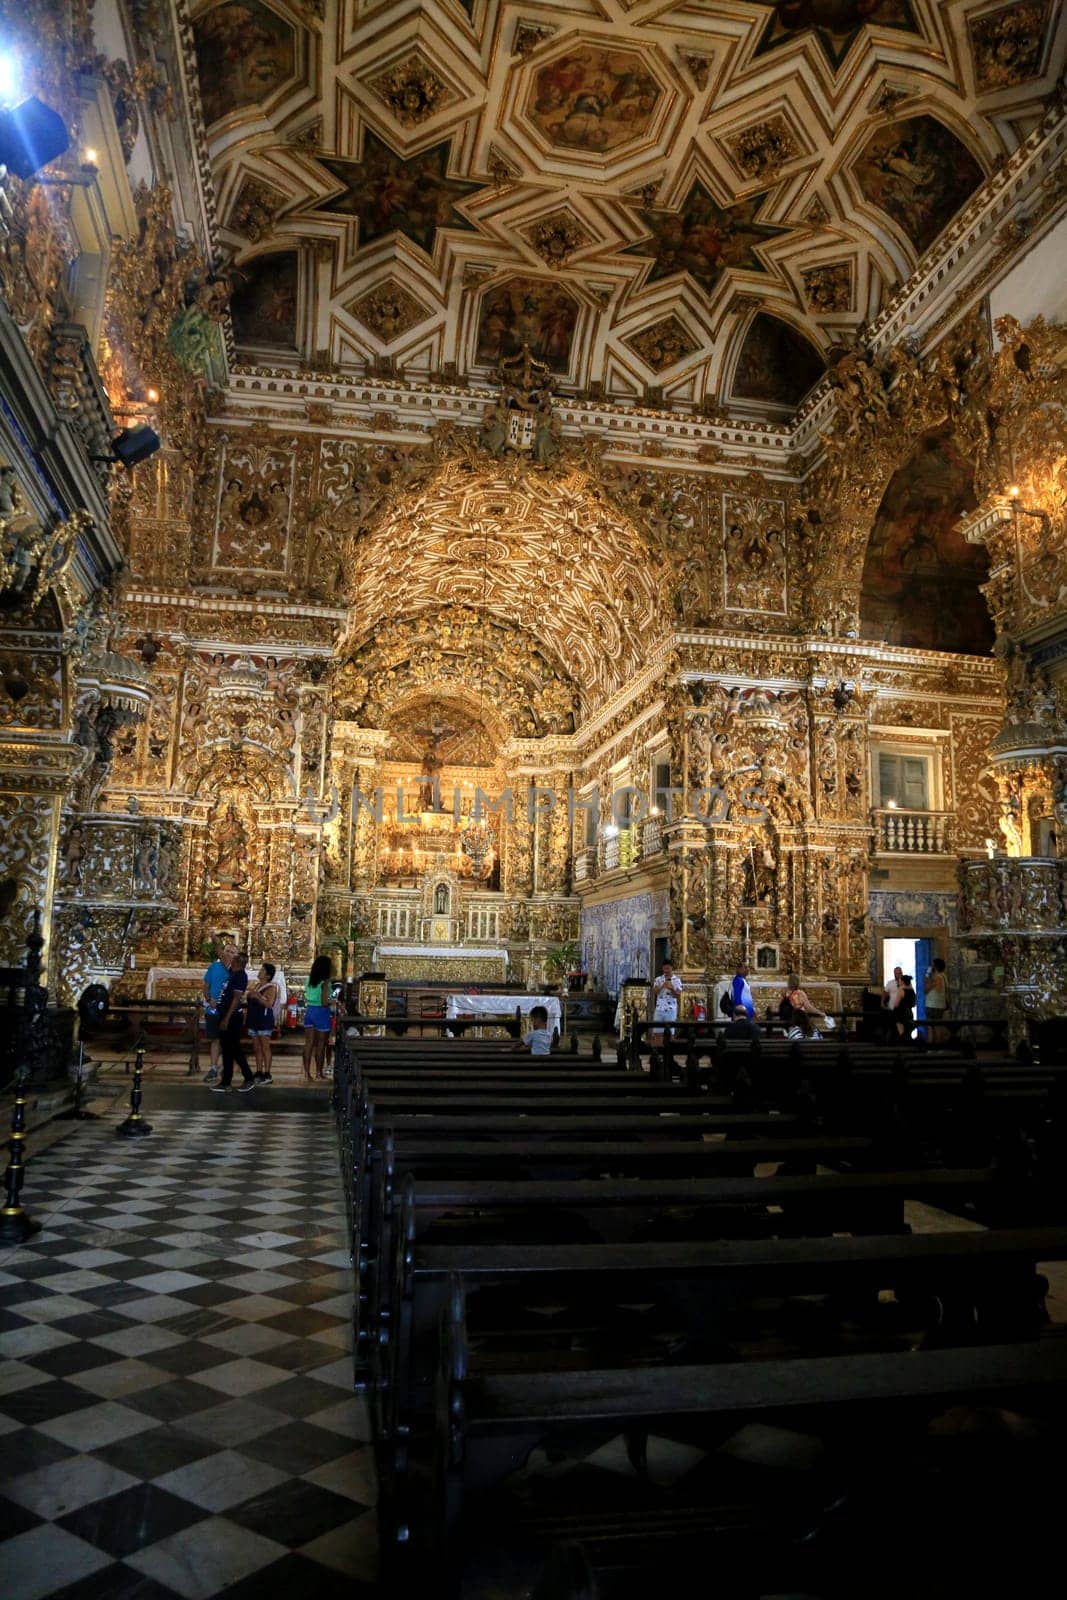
[(705, 239), (777, 364), (921, 579), (387, 194), (835, 23), (619, 190)]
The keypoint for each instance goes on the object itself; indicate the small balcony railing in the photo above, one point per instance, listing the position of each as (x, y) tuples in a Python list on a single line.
[(912, 833)]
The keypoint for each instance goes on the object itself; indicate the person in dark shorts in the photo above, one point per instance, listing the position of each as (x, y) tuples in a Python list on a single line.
[(262, 999), (215, 979), (231, 1021)]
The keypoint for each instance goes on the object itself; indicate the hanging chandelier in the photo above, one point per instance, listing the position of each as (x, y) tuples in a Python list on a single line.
[(476, 842)]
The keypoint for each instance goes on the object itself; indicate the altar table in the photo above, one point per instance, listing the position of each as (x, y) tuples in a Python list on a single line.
[(448, 963), (503, 1005)]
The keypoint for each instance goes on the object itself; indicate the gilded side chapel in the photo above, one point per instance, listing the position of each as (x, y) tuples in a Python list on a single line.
[(505, 495)]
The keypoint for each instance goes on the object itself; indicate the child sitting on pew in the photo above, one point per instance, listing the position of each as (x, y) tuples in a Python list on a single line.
[(539, 1040)]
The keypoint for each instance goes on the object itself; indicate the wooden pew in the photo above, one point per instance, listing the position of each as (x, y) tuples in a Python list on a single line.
[(488, 1425), (977, 1284), (567, 1158), (620, 1209)]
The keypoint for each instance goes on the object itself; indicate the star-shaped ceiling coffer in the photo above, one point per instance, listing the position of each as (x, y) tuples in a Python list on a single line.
[(387, 194), (704, 239), (835, 23)]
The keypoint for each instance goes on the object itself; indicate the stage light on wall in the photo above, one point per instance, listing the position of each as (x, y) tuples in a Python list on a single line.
[(1013, 491), (31, 135), (132, 446), (152, 396), (89, 158)]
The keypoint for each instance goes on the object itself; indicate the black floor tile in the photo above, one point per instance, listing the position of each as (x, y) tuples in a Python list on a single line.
[(302, 1355), (305, 1294), (111, 1296), (172, 1401), (119, 1582), (32, 1268), (132, 1519), (208, 1294), (297, 1447), (13, 1295), (300, 1396), (70, 1358), (15, 1519), (189, 1357), (46, 1401), (92, 1324), (303, 1322), (294, 1513), (156, 1451), (198, 1324), (295, 1576), (26, 1450)]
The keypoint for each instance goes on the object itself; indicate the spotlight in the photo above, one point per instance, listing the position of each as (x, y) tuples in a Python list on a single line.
[(132, 446), (1013, 491), (152, 396), (31, 135), (89, 158), (9, 76)]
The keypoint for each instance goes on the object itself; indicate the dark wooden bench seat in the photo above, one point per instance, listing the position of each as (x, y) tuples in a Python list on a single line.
[(975, 1283), (487, 1426)]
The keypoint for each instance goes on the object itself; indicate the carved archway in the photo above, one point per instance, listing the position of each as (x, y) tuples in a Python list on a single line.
[(545, 553)]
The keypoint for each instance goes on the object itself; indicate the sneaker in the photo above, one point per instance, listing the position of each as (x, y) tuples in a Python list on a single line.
[(267, 1078), (210, 1076), (243, 1088), (257, 1077), (217, 1088)]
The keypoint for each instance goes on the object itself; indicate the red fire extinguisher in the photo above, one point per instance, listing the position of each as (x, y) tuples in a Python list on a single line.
[(290, 1014), (698, 1011)]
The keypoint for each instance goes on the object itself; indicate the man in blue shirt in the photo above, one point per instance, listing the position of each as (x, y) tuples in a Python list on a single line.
[(215, 979), (231, 1022)]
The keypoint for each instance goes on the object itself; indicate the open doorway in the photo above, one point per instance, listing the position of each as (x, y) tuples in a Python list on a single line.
[(915, 956)]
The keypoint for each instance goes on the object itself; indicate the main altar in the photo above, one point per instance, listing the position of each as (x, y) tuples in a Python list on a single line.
[(435, 963)]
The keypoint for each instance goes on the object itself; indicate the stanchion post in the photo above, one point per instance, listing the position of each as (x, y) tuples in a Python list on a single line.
[(16, 1225), (135, 1126)]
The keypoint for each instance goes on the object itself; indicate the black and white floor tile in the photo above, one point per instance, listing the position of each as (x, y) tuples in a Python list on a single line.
[(176, 1406)]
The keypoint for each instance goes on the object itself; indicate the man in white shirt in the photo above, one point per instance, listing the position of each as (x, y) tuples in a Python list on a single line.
[(893, 987), (666, 992)]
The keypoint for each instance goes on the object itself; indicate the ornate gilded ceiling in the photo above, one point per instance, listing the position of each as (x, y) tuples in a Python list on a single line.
[(699, 199), (541, 554)]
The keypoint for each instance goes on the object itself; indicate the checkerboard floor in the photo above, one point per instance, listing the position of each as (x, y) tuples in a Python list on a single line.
[(176, 1402)]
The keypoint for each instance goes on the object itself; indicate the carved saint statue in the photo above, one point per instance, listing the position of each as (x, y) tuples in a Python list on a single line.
[(440, 900), (231, 843), (759, 880)]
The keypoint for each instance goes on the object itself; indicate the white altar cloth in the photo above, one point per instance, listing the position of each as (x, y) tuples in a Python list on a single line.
[(503, 1005)]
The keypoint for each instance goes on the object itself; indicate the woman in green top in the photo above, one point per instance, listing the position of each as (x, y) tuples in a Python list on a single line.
[(317, 997)]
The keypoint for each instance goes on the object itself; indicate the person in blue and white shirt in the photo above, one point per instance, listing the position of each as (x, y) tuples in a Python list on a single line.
[(740, 992)]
